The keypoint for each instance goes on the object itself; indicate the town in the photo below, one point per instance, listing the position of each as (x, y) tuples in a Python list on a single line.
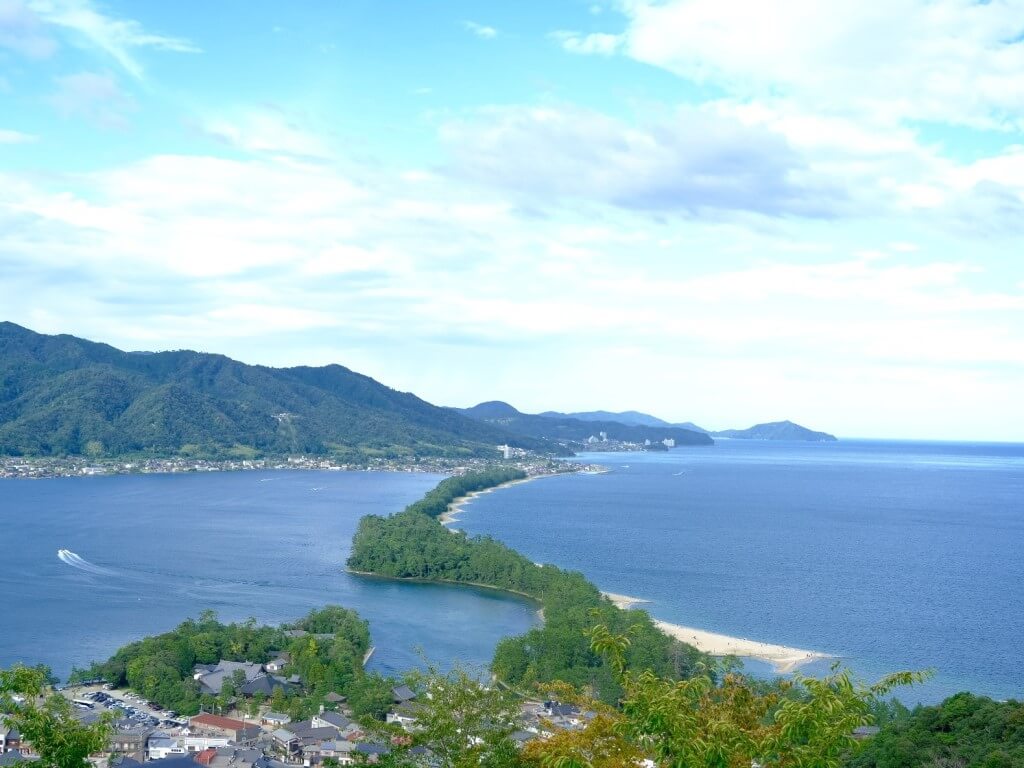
[(247, 736), (78, 466)]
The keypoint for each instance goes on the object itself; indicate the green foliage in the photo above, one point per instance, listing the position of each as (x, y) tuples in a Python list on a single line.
[(435, 502), (414, 545), (47, 722), (965, 731), (60, 395), (698, 723), (461, 722), (160, 668), (370, 696)]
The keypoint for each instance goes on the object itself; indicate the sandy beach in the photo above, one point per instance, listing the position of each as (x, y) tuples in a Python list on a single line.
[(781, 657), (451, 515)]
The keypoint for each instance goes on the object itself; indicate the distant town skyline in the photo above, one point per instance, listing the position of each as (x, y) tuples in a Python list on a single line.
[(718, 212)]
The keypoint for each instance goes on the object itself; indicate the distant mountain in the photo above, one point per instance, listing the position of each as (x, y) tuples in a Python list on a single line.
[(64, 395), (567, 429), (776, 430), (634, 418)]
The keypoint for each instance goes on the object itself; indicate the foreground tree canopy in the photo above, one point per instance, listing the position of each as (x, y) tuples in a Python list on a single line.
[(46, 720)]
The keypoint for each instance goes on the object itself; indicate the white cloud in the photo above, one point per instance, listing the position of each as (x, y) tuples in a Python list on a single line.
[(594, 43), (93, 96), (118, 38), (22, 31), (693, 161), (410, 275), (16, 137), (955, 61), (266, 130), (482, 31)]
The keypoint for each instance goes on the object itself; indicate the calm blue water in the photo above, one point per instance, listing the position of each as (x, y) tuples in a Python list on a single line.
[(155, 549), (891, 555)]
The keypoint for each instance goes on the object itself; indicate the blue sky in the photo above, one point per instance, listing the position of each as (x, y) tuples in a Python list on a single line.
[(719, 211)]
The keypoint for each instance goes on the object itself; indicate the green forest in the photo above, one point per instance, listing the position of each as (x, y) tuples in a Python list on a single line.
[(414, 545), (61, 395), (160, 668), (964, 731), (435, 502)]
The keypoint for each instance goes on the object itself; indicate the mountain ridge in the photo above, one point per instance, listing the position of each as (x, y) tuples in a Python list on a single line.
[(567, 430), (63, 395)]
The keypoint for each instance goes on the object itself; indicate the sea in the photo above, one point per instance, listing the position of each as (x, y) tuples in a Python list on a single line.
[(88, 564), (887, 555)]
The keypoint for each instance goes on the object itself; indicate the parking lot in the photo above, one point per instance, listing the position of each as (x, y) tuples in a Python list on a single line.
[(127, 705)]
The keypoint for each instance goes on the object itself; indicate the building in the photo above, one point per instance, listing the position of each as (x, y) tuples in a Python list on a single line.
[(211, 677), (330, 720), (130, 742), (235, 730), (10, 739), (160, 745)]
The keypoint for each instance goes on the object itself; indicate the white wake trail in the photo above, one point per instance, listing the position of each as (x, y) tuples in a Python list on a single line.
[(68, 557)]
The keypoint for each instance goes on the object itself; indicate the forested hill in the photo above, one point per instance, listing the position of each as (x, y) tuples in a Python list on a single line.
[(61, 395), (573, 431), (777, 430)]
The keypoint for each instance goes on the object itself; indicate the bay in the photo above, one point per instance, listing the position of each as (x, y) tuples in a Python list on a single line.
[(147, 551), (888, 555)]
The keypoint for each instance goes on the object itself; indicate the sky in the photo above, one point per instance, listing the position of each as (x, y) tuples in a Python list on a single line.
[(710, 210)]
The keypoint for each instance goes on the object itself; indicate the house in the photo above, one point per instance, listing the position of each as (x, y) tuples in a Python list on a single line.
[(276, 719), (402, 694), (10, 739), (160, 745), (233, 757), (330, 720), (278, 664), (235, 730), (403, 714), (340, 750), (206, 756), (286, 740), (130, 742), (211, 681), (335, 698), (266, 685)]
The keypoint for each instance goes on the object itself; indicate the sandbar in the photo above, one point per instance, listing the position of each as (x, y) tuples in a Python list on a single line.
[(783, 658)]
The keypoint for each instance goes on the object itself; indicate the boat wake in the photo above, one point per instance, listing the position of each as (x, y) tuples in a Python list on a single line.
[(68, 557)]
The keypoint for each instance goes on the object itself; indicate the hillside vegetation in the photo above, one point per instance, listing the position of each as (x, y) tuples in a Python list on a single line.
[(61, 395), (414, 545)]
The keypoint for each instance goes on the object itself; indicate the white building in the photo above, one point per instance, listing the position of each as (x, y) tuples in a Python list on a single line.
[(160, 745)]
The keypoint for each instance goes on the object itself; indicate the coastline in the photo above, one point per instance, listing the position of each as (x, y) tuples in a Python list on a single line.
[(782, 658), (455, 507)]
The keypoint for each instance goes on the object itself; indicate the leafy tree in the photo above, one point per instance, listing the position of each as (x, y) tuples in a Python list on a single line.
[(964, 731), (47, 722), (413, 544), (696, 723)]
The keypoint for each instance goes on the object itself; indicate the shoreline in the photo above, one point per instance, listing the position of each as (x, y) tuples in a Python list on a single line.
[(783, 659), (451, 514)]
